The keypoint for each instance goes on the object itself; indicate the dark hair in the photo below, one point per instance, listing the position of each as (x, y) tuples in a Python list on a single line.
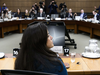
[(34, 49), (19, 10)]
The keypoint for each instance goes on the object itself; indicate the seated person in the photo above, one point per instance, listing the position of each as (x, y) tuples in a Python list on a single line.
[(35, 53), (18, 14), (41, 13), (70, 14), (83, 15), (26, 15), (33, 13), (96, 15)]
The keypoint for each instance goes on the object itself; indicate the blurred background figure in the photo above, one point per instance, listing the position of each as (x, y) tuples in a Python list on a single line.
[(70, 14), (97, 9), (18, 14), (4, 7), (4, 10), (63, 10), (26, 15), (41, 13), (8, 13), (42, 5), (53, 7), (62, 5), (33, 13), (83, 15), (96, 15), (36, 7)]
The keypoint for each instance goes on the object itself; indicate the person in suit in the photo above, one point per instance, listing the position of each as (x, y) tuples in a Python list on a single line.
[(53, 7), (41, 13), (18, 13), (96, 15), (35, 53), (26, 15), (97, 9), (70, 14), (83, 15)]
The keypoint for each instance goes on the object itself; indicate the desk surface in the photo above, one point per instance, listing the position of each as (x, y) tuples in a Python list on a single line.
[(86, 66)]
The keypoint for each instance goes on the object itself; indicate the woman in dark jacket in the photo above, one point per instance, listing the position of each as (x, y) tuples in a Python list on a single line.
[(35, 53), (18, 13)]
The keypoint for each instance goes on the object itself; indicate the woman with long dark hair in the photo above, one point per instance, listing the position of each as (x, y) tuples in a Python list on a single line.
[(35, 53), (18, 14)]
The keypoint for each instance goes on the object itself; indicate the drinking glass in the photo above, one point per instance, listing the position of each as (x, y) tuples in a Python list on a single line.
[(73, 56)]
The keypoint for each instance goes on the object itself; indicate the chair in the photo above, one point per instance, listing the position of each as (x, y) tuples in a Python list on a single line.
[(23, 72), (53, 16)]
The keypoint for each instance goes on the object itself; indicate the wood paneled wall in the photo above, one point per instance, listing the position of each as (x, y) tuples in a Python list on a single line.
[(76, 5), (15, 4)]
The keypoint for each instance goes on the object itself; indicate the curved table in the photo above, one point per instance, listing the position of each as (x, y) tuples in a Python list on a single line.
[(19, 25), (86, 67)]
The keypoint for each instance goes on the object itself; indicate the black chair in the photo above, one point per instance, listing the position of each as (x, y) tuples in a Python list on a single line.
[(23, 72), (59, 23)]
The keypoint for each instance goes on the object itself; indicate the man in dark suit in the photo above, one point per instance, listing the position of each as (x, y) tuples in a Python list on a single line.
[(83, 15), (41, 13), (53, 7), (70, 14), (97, 9), (96, 15)]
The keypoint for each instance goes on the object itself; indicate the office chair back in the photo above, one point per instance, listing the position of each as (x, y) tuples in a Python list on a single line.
[(23, 72), (53, 16)]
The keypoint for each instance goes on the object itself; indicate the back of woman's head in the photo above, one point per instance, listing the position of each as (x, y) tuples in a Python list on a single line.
[(35, 38)]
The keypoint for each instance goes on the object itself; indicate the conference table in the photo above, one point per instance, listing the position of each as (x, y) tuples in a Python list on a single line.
[(20, 25), (86, 66)]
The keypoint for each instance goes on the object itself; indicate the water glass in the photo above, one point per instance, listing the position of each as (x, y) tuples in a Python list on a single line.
[(73, 57)]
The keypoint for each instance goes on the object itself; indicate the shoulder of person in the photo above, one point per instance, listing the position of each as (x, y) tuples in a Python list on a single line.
[(98, 15)]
